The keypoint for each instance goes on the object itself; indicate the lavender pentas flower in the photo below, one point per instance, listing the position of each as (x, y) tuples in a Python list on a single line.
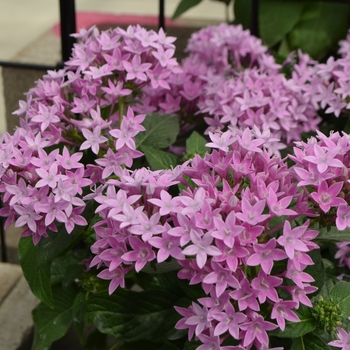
[(74, 117), (221, 229)]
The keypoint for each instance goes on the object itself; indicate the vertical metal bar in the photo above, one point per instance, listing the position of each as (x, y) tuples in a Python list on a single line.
[(4, 257), (161, 21), (68, 27), (254, 22)]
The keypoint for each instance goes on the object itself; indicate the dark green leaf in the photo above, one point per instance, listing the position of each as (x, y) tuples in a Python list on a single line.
[(297, 329), (162, 268), (158, 159), (327, 287), (195, 144), (242, 11), (317, 271), (316, 32), (57, 243), (161, 131), (96, 341), (341, 294), (184, 6), (192, 345), (309, 342), (334, 235), (277, 221), (38, 277), (149, 346), (79, 314), (133, 316), (52, 324), (67, 267), (277, 18)]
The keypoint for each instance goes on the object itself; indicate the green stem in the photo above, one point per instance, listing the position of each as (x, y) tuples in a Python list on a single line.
[(114, 346)]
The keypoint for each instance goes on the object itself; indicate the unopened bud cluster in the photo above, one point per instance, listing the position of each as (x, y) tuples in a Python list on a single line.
[(328, 313)]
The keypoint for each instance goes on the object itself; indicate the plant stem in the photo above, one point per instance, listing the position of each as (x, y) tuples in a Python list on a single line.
[(114, 346)]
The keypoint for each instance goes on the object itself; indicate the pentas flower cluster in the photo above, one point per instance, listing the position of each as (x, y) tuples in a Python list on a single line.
[(79, 108), (230, 229), (225, 47), (327, 84), (230, 79), (214, 50), (322, 169), (270, 102)]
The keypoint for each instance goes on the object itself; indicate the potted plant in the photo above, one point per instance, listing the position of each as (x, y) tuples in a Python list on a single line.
[(158, 204)]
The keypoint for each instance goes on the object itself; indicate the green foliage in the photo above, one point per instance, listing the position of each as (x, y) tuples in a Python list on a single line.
[(288, 25), (195, 144), (52, 323), (333, 235), (36, 260), (317, 270), (37, 275), (273, 29), (242, 11), (161, 131), (149, 346), (158, 159), (316, 32), (192, 345), (309, 342), (297, 329), (341, 294), (133, 316), (184, 6)]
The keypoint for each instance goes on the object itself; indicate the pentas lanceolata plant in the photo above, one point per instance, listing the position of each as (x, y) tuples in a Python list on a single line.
[(165, 238)]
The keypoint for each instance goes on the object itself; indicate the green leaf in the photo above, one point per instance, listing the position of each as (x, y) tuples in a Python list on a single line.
[(96, 341), (192, 345), (242, 11), (38, 277), (161, 268), (341, 294), (79, 314), (316, 32), (161, 131), (36, 259), (52, 324), (195, 144), (158, 159), (317, 271), (309, 342), (149, 346), (67, 267), (277, 18), (297, 329), (133, 316), (327, 287), (184, 6), (334, 235)]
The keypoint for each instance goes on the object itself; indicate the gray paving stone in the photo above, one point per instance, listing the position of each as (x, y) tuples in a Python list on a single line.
[(16, 316), (9, 276)]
